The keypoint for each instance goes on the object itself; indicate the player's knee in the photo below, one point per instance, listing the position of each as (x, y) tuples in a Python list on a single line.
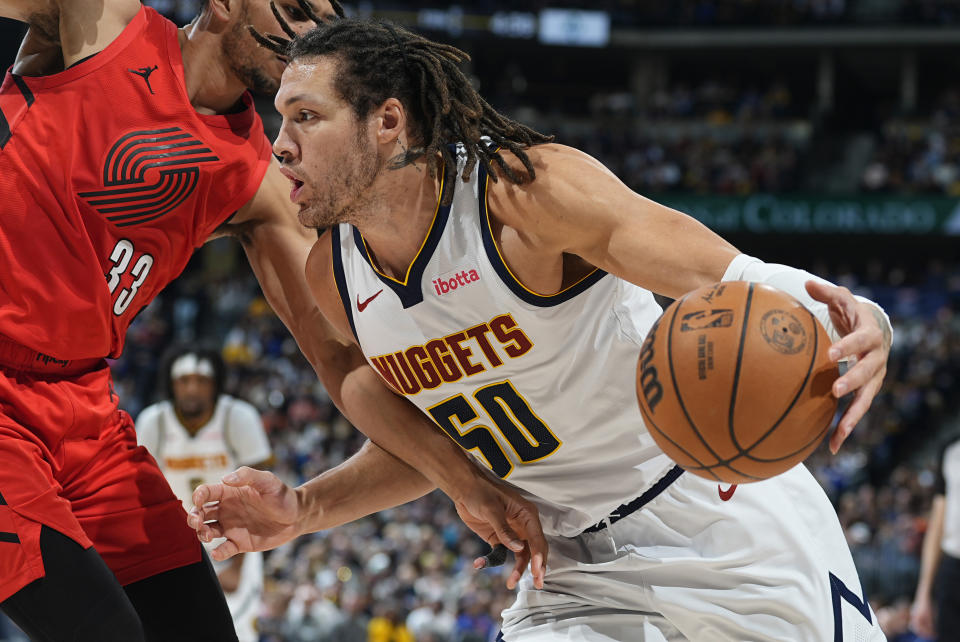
[(110, 622)]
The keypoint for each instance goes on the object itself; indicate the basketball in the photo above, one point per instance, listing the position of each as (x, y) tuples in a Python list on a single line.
[(734, 382)]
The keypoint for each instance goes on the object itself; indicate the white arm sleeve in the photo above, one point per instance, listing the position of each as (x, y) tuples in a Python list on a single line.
[(148, 428), (790, 280), (247, 437)]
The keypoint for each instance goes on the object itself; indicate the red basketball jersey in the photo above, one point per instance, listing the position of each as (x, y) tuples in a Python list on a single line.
[(109, 179)]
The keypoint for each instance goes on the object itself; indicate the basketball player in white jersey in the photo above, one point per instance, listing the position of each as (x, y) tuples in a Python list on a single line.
[(504, 286), (197, 436)]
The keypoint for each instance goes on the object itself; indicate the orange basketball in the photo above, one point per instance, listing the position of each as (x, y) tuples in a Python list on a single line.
[(734, 382)]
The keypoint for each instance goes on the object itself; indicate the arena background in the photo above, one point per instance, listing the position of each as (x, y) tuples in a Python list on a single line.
[(820, 133)]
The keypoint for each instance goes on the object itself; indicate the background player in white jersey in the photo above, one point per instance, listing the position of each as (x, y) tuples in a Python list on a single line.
[(527, 357), (197, 436)]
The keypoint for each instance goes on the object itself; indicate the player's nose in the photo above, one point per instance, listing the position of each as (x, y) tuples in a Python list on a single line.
[(284, 147)]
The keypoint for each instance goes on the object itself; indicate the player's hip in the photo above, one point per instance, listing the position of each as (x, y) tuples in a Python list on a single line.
[(763, 561)]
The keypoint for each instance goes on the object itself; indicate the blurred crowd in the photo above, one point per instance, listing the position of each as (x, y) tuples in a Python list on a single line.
[(919, 154), (406, 574), (683, 13), (709, 137)]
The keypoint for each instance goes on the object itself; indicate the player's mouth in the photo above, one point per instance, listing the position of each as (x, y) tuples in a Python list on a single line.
[(297, 188), (296, 182)]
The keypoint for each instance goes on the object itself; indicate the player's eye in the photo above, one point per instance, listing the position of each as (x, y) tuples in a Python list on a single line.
[(303, 116), (296, 13)]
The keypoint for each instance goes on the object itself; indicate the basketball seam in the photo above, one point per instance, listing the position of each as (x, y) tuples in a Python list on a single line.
[(731, 409), (806, 381), (683, 407)]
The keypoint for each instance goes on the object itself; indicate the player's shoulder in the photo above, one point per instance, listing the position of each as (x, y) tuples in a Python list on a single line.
[(562, 177), (549, 157), (152, 413), (236, 405)]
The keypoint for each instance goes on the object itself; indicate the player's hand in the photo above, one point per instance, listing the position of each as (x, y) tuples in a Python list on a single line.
[(921, 618), (503, 518), (253, 509), (865, 341)]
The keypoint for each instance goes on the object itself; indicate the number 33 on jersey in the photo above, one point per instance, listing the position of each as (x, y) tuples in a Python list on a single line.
[(122, 257)]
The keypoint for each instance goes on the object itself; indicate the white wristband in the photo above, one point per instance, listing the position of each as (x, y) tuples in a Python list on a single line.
[(792, 281)]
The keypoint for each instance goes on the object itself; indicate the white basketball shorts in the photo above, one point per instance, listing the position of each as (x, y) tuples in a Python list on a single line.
[(769, 562)]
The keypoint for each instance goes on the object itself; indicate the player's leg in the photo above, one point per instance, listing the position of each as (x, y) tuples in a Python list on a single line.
[(125, 506), (948, 599), (52, 583), (190, 592), (78, 598), (769, 562), (591, 593)]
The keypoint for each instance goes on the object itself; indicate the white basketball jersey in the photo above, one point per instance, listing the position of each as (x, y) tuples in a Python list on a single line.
[(232, 438), (540, 389)]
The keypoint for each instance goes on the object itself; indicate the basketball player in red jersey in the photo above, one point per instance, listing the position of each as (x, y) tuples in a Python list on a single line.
[(124, 144)]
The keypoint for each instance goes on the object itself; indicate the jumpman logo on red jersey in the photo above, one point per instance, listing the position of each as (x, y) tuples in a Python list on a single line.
[(144, 72)]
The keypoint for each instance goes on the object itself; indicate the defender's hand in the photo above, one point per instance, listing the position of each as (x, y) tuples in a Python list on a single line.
[(499, 515), (253, 509), (865, 339)]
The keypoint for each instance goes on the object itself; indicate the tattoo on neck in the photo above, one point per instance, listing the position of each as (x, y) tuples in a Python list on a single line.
[(402, 159)]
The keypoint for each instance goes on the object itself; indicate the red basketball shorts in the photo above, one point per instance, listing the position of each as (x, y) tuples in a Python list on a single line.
[(69, 460)]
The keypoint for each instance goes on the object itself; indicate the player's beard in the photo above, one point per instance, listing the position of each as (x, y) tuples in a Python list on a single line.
[(344, 194), (247, 59), (192, 408)]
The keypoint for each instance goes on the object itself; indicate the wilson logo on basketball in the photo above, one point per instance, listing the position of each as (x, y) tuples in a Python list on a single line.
[(446, 283), (649, 382)]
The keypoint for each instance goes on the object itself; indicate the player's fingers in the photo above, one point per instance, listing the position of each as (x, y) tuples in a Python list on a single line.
[(521, 560), (261, 480), (194, 518), (842, 305), (505, 534), (860, 341), (863, 372), (209, 532), (830, 294), (225, 551), (538, 568), (496, 557), (527, 522), (858, 407), (206, 493)]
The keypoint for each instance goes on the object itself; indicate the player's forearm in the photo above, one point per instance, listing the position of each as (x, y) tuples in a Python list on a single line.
[(930, 557), (370, 481)]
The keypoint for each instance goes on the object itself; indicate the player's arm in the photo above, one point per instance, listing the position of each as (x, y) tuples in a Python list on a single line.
[(921, 614), (22, 10), (88, 26), (578, 207)]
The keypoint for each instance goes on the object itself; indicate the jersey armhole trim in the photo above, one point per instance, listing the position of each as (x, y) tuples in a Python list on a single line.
[(341, 278), (503, 270)]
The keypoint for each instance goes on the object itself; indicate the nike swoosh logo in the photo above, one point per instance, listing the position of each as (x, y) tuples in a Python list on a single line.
[(725, 495), (363, 306)]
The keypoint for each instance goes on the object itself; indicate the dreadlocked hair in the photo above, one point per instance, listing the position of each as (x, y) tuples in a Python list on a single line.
[(279, 45), (378, 60)]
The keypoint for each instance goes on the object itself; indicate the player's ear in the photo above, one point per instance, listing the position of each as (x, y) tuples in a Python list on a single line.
[(220, 12), (391, 120)]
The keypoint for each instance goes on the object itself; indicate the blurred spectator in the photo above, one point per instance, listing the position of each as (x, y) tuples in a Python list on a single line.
[(936, 609)]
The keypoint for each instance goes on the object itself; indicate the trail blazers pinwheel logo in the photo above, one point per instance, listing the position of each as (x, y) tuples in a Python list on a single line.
[(134, 194)]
